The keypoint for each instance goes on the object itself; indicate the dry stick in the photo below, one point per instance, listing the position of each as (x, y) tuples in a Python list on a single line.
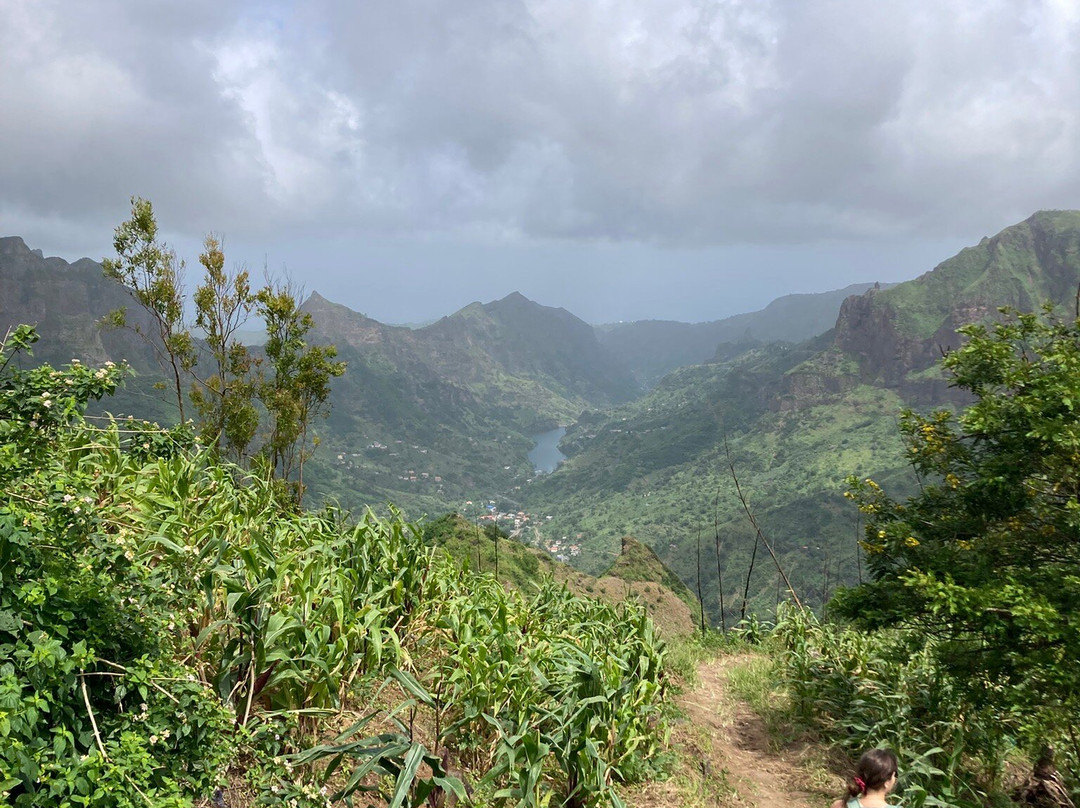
[(776, 603), (150, 682), (701, 602), (749, 572), (761, 537), (719, 574), (825, 586), (753, 555), (858, 548), (93, 723), (479, 563), (134, 786), (251, 687)]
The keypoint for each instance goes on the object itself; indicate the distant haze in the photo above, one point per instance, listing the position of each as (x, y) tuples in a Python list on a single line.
[(625, 160)]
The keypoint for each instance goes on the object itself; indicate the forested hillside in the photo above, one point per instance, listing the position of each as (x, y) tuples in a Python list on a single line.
[(653, 348), (428, 418), (790, 422)]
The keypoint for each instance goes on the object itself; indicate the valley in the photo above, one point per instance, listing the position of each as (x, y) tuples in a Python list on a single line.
[(675, 433)]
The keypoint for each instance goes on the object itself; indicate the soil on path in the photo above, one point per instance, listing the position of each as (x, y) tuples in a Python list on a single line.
[(729, 758)]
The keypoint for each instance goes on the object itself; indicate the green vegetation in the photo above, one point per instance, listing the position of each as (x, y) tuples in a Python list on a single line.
[(290, 379), (859, 690), (638, 563), (1021, 267), (659, 470), (960, 650), (489, 549), (984, 559), (170, 625)]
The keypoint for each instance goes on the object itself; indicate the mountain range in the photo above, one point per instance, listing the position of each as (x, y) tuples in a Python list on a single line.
[(662, 417), (790, 423)]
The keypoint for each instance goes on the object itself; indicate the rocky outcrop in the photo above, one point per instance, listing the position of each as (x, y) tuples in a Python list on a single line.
[(866, 330), (66, 302), (898, 336)]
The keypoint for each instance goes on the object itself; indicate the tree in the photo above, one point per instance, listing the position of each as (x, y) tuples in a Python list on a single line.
[(225, 398), (154, 276), (291, 380), (985, 560), (296, 385)]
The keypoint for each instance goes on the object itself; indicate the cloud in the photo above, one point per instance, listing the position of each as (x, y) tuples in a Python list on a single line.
[(678, 123)]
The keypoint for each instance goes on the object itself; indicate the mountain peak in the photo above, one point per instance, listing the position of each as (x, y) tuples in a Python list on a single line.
[(12, 246), (316, 302)]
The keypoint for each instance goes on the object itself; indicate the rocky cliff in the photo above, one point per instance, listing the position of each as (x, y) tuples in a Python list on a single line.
[(896, 336), (66, 302)]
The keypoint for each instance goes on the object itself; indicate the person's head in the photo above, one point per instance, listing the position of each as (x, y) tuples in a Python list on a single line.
[(875, 771)]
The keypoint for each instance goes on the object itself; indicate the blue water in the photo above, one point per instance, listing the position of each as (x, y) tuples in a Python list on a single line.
[(545, 455)]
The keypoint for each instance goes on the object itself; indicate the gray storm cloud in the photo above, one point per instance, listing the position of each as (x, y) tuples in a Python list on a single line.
[(677, 124)]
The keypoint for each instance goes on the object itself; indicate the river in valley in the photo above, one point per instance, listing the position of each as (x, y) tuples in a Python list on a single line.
[(545, 455)]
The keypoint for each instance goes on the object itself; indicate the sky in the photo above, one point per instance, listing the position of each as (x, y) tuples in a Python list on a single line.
[(622, 159)]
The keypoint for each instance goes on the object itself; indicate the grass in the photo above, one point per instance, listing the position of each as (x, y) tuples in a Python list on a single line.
[(686, 654), (754, 681)]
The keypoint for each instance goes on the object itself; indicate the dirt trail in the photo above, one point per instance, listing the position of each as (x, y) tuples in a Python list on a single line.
[(728, 757)]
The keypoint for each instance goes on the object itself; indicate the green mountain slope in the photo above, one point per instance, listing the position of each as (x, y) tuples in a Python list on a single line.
[(653, 348), (65, 302), (429, 417), (637, 572), (793, 422)]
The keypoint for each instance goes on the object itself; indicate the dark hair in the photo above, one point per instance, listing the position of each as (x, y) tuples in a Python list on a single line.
[(873, 771)]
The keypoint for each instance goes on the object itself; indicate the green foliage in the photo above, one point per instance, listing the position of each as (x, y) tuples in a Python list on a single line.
[(551, 685), (791, 465), (984, 559), (293, 387), (166, 620), (296, 387), (154, 276), (864, 690), (225, 398), (87, 690)]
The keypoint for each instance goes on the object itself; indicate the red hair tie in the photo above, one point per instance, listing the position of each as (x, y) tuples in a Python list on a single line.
[(861, 784)]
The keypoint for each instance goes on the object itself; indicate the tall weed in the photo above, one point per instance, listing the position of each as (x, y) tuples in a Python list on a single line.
[(866, 690)]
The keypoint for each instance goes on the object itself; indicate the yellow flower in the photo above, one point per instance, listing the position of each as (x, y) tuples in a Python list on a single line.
[(911, 541)]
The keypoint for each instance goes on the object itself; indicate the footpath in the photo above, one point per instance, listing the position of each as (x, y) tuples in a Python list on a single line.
[(728, 757)]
